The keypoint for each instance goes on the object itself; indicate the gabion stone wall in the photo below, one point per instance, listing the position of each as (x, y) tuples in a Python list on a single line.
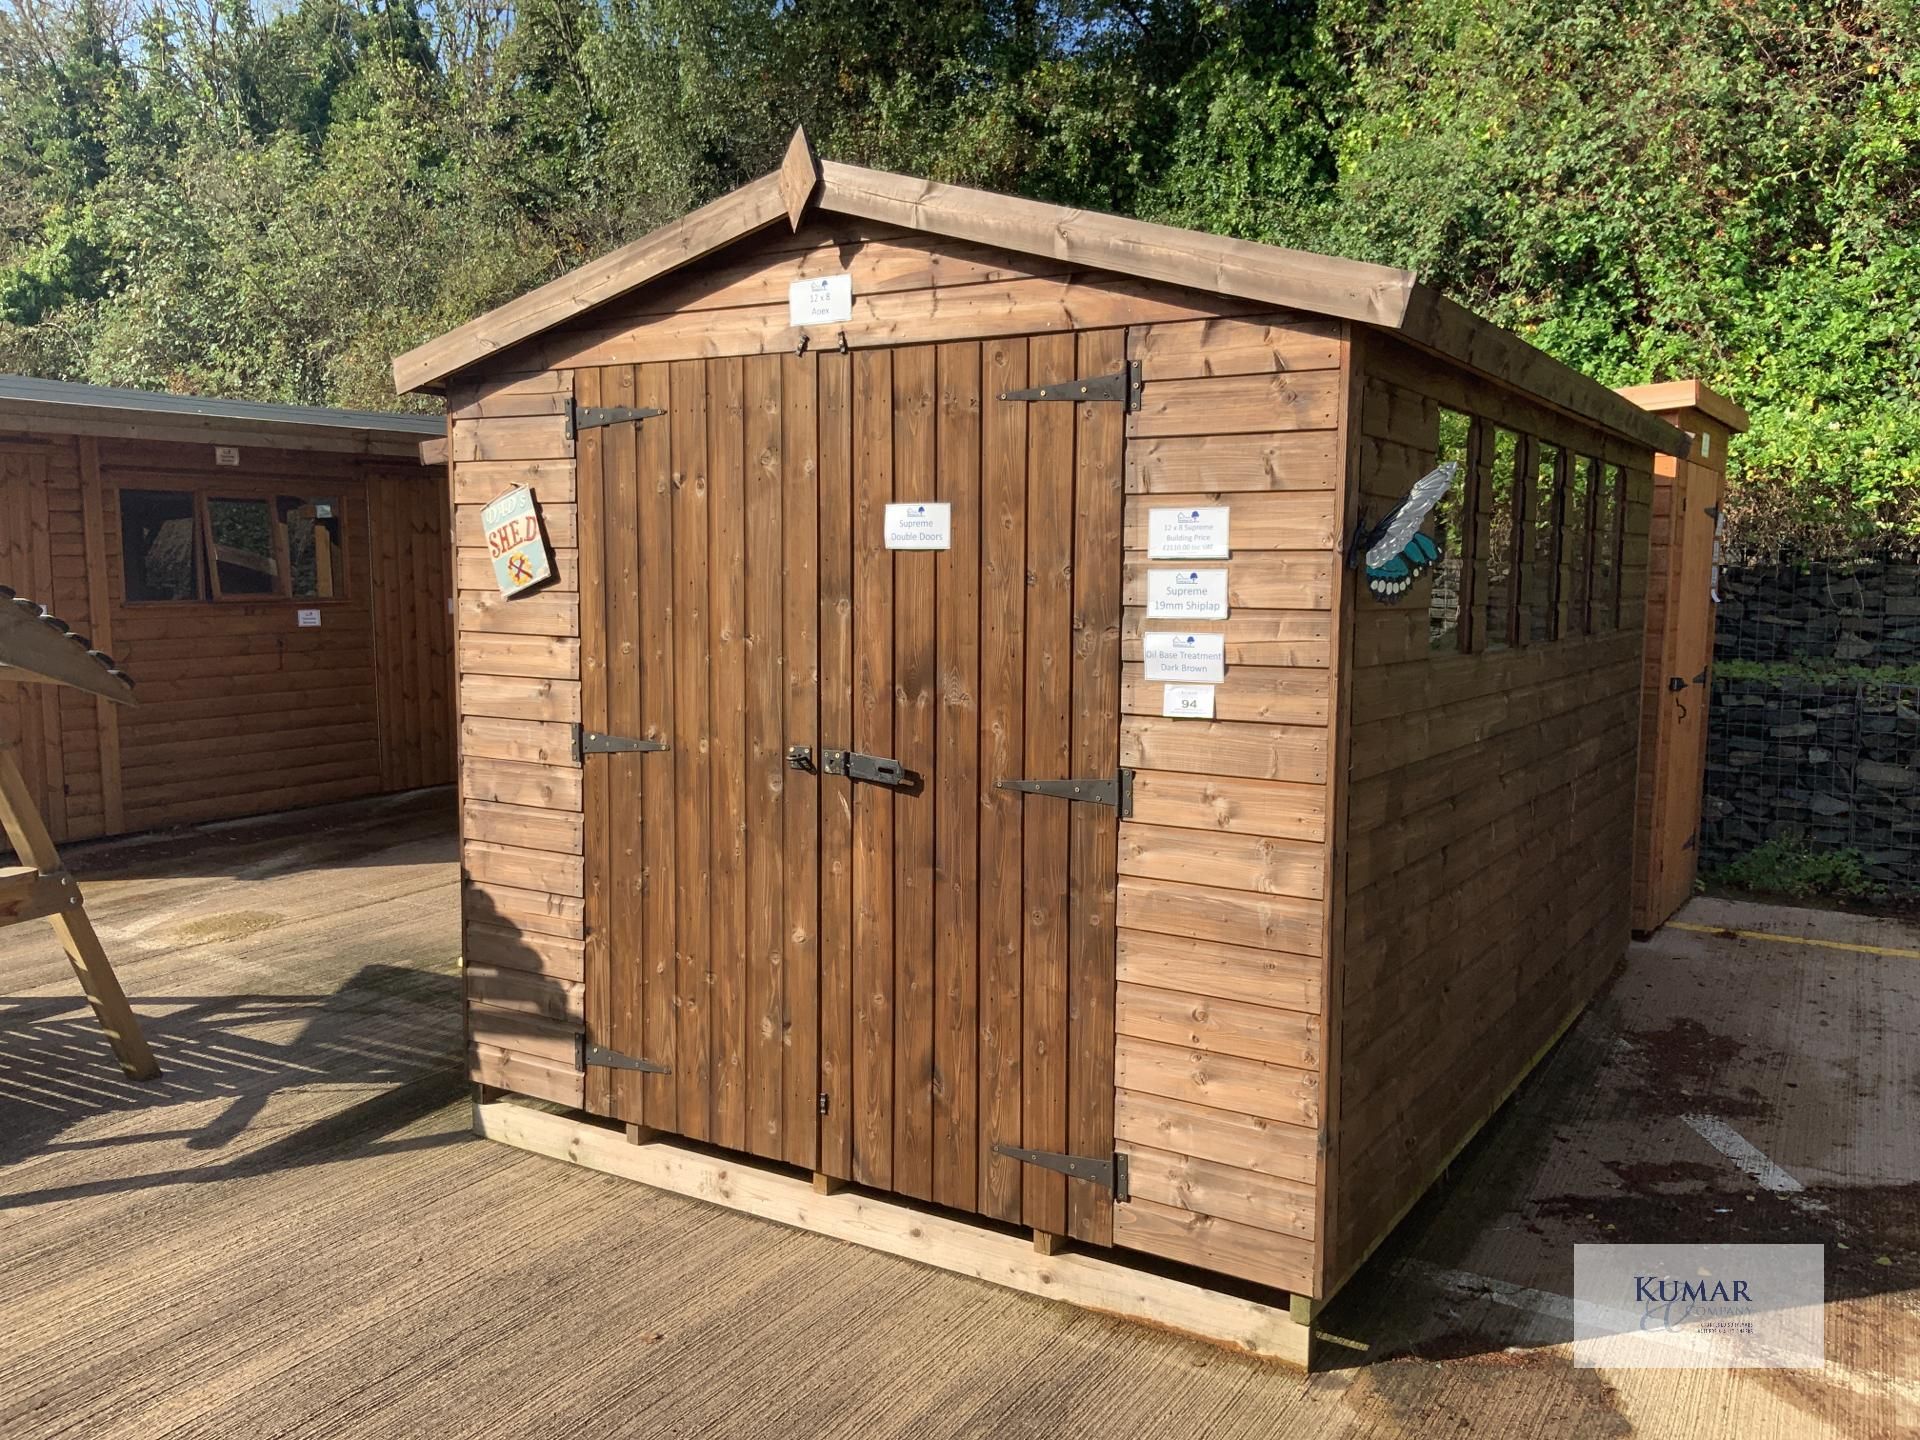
[(1815, 730)]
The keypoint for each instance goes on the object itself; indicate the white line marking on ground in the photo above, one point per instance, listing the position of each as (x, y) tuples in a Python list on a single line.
[(1737, 1148), (1557, 1313)]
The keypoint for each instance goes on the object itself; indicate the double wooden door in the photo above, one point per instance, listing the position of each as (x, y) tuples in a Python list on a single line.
[(886, 982)]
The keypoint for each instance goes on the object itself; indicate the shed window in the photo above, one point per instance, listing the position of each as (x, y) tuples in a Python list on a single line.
[(1502, 500), (260, 546), (1445, 594), (242, 534), (1577, 545), (1541, 563), (313, 546), (1608, 509), (159, 548)]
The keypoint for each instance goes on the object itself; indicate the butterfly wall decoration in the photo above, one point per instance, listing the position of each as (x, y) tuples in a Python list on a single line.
[(1393, 552)]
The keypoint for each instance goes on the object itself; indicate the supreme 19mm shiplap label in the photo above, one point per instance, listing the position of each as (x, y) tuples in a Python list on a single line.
[(1186, 594)]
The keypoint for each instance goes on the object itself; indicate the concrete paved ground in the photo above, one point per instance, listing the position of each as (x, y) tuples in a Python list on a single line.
[(292, 1233)]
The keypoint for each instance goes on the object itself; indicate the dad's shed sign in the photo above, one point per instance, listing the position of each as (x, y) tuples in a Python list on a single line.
[(512, 527)]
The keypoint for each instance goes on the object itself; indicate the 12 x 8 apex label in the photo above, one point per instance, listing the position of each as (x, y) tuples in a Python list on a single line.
[(1188, 533)]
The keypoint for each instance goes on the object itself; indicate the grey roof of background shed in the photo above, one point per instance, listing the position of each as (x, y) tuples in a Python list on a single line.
[(100, 409)]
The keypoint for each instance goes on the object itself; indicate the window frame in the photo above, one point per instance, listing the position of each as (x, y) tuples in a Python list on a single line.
[(268, 490)]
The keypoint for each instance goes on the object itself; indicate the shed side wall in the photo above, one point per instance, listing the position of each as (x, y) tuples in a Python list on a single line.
[(1489, 811), (522, 826), (241, 711)]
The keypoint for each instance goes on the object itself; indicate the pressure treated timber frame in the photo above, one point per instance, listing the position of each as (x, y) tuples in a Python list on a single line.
[(1676, 691), (244, 710), (1304, 968)]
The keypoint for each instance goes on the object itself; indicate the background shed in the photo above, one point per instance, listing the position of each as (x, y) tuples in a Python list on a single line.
[(272, 576), (1236, 999)]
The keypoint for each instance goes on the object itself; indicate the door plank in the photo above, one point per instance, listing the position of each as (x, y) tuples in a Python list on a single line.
[(727, 587), (766, 765), (914, 659), (1049, 755), (1093, 856), (625, 774), (801, 525), (591, 493), (693, 798), (653, 499), (873, 979), (1003, 541), (837, 1038), (956, 769)]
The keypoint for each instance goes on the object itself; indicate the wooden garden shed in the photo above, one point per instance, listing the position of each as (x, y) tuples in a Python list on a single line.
[(274, 577), (833, 804)]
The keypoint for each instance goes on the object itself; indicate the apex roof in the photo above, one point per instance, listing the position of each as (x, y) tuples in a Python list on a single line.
[(1376, 295)]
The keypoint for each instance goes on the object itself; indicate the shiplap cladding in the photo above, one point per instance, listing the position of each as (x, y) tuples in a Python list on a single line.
[(1488, 825), (523, 830), (1223, 903), (241, 710)]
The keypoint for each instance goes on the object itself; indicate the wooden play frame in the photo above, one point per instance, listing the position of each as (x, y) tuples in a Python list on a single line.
[(1086, 1280), (36, 648)]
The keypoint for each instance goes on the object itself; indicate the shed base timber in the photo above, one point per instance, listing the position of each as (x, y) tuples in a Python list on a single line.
[(1091, 1282)]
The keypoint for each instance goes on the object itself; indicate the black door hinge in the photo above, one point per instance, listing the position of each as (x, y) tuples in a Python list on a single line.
[(823, 1102), (592, 742), (1109, 1174), (876, 769), (1124, 385), (1676, 684), (614, 1060), (592, 417), (1117, 792)]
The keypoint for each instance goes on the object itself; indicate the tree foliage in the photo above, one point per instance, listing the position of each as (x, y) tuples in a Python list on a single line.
[(202, 196)]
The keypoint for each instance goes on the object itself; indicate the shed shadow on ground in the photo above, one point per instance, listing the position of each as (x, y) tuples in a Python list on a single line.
[(56, 1074)]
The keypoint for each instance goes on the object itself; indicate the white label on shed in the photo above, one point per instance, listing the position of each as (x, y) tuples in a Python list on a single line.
[(1190, 659), (920, 525), (226, 454), (826, 301), (1186, 594), (1187, 534), (511, 525), (1187, 702), (309, 619)]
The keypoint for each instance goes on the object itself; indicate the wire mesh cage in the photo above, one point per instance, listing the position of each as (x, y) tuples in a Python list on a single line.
[(1814, 738)]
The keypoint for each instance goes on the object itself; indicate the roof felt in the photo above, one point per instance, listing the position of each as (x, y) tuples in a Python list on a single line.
[(26, 390)]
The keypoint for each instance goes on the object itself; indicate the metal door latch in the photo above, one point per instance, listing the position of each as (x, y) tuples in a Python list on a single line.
[(800, 757), (876, 769)]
